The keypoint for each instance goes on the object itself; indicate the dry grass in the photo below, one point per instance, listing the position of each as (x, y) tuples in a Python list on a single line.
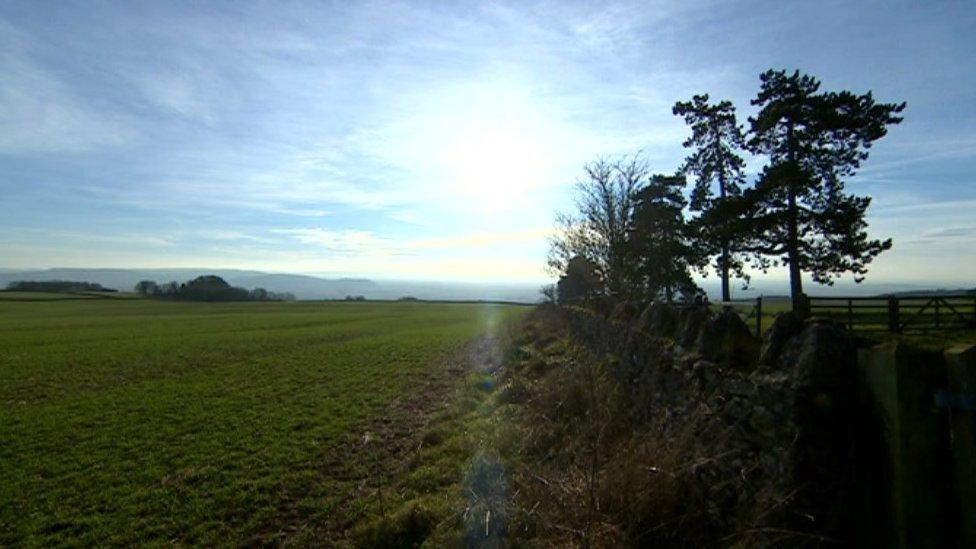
[(588, 472)]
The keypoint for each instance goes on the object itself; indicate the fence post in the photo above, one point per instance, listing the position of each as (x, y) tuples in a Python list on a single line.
[(894, 323), (961, 384), (804, 302), (850, 314), (759, 316)]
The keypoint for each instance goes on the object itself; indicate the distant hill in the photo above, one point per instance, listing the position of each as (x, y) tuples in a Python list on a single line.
[(56, 286), (926, 293), (123, 280), (302, 286), (315, 287)]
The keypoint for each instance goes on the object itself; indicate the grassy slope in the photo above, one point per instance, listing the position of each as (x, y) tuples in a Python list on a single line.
[(140, 421)]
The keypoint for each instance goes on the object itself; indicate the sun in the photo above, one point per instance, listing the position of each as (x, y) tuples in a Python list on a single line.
[(494, 149), (496, 163)]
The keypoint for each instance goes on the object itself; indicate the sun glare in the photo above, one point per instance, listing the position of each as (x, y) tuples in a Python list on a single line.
[(495, 146), (496, 163)]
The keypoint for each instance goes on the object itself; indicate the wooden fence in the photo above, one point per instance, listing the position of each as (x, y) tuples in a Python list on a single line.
[(895, 314), (899, 314)]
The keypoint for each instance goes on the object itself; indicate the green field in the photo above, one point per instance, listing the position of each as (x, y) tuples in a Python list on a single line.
[(136, 421)]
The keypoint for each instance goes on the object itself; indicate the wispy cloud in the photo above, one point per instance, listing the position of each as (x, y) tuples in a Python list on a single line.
[(479, 240), (951, 232), (233, 236), (81, 237), (367, 243), (190, 93), (343, 242), (39, 113), (920, 205)]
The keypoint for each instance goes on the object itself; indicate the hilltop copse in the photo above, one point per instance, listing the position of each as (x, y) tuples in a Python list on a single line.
[(207, 288)]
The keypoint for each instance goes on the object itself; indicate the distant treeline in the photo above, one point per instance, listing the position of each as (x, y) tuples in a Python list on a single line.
[(207, 288), (56, 286), (928, 293)]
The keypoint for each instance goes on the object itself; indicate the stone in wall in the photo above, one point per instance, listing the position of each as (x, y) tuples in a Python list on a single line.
[(782, 430), (724, 338), (785, 326), (658, 319), (690, 321)]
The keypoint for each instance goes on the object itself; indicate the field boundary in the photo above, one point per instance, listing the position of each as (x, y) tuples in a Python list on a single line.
[(895, 314), (435, 301), (899, 314), (57, 296)]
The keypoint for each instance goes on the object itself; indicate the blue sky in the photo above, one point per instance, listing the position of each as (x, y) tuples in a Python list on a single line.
[(429, 139)]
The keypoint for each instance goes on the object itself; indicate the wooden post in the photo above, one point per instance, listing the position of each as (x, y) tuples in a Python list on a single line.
[(913, 466), (850, 314), (894, 323), (961, 384), (801, 306), (759, 316)]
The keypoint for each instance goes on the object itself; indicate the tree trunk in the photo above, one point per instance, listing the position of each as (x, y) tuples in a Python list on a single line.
[(724, 259), (724, 265), (793, 246), (793, 256)]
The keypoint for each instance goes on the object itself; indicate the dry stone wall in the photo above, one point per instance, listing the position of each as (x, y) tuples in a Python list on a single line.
[(773, 414)]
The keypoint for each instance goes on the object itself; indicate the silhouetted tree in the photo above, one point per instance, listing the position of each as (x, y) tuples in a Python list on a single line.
[(798, 211), (146, 288), (169, 289), (210, 288), (715, 140), (549, 293), (661, 245), (598, 231), (580, 282)]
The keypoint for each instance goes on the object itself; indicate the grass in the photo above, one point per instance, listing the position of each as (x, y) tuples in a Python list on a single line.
[(145, 422)]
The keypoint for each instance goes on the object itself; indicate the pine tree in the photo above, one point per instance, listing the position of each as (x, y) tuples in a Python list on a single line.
[(661, 249), (798, 211), (715, 140)]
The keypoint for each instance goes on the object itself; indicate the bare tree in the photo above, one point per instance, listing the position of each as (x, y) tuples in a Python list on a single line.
[(549, 293), (598, 231)]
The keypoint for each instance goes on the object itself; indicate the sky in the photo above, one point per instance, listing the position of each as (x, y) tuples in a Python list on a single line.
[(435, 140)]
